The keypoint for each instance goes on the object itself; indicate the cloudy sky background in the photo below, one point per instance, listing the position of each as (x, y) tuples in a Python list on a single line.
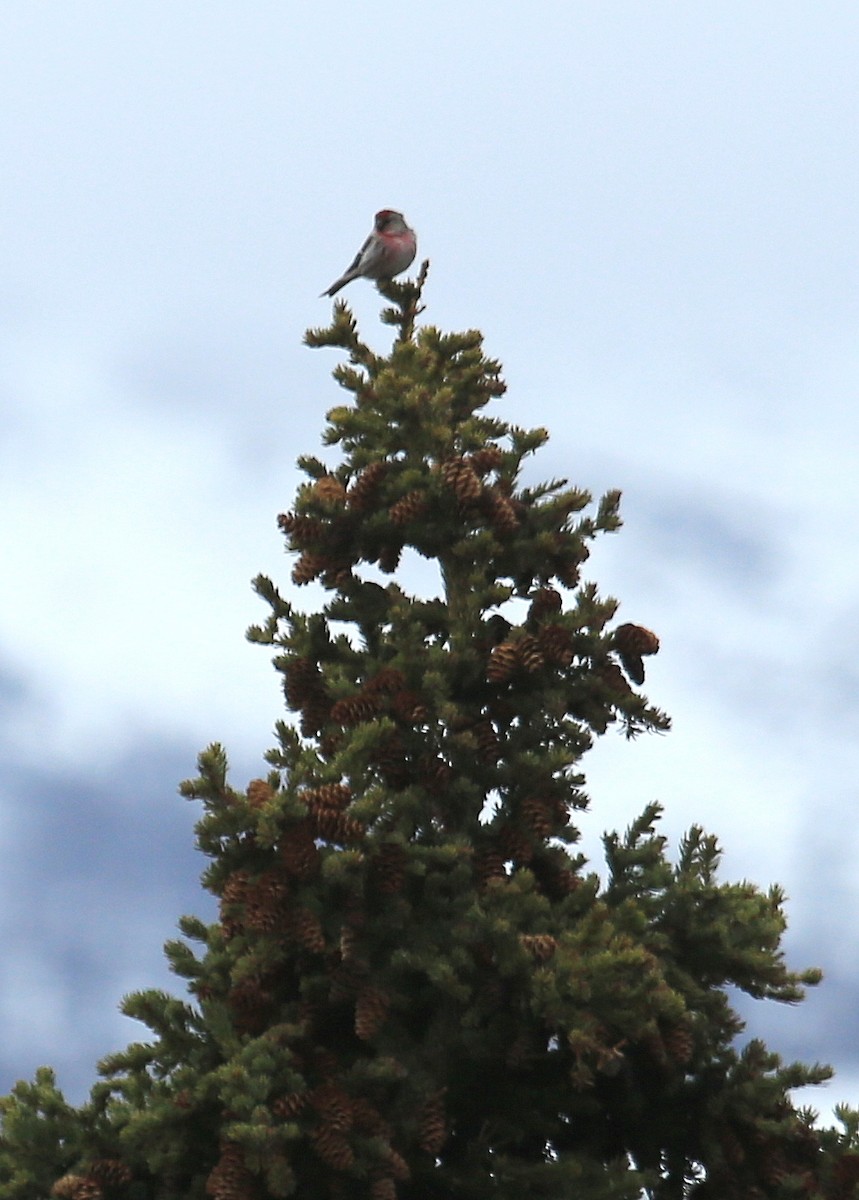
[(651, 212)]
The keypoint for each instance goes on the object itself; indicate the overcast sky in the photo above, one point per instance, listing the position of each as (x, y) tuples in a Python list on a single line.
[(651, 212)]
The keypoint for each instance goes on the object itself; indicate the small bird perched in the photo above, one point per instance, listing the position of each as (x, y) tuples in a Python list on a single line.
[(388, 250)]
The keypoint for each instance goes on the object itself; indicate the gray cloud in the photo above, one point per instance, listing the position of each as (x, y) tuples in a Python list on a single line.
[(96, 872)]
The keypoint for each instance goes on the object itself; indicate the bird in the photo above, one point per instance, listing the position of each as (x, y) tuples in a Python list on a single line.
[(388, 250)]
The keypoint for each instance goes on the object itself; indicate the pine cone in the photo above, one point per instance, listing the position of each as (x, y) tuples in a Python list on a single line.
[(679, 1043), (488, 458), (315, 714), (302, 681), (389, 679), (614, 679), (368, 1119), (399, 1167), (503, 512), (77, 1187), (362, 493), (333, 826), (390, 868), (301, 531), (502, 662), (235, 888), (556, 642), (371, 1011), (544, 602), (259, 793), (555, 881), (250, 1002), (309, 566), (337, 574), (633, 642), (354, 710), (265, 902), (298, 851), (333, 1148), (530, 654), (462, 479), (349, 949), (330, 490), (409, 708), (111, 1171), (636, 639), (231, 907), (489, 865), (289, 1106), (538, 814), (541, 946), (515, 845), (488, 744), (411, 508), (432, 1128), (389, 558), (327, 795), (435, 773), (568, 574), (307, 930), (383, 1188), (333, 1105), (330, 743)]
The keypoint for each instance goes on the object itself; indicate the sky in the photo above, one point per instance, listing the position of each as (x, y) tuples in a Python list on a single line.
[(650, 212)]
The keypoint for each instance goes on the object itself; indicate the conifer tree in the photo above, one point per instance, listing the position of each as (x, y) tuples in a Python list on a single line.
[(416, 990)]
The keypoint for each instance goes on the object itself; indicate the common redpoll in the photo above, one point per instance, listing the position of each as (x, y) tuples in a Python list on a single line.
[(388, 250)]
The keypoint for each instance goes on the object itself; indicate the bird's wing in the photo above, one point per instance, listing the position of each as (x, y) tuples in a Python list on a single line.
[(358, 257)]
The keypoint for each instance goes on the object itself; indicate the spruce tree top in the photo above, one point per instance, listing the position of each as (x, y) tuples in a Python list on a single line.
[(468, 696), (414, 990)]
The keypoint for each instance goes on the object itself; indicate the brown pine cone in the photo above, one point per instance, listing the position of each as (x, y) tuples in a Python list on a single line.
[(353, 710), (556, 644), (503, 512), (259, 793), (327, 795), (541, 946), (112, 1171), (301, 530), (362, 493), (462, 479), (330, 490), (307, 930), (371, 1011), (635, 639), (488, 458), (333, 1105), (309, 567), (289, 1106), (77, 1187), (503, 661), (432, 1130), (410, 508), (544, 602), (530, 654), (332, 1148), (298, 851)]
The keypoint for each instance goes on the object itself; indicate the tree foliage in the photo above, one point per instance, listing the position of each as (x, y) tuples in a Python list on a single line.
[(415, 988)]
